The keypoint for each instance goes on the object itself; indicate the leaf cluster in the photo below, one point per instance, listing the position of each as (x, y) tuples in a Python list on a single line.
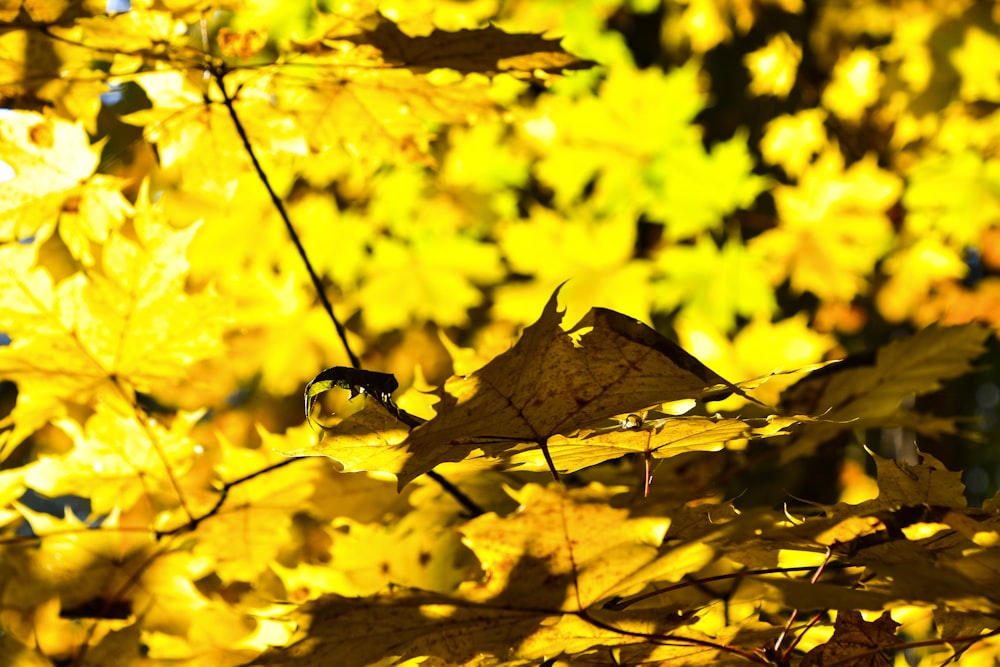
[(191, 194)]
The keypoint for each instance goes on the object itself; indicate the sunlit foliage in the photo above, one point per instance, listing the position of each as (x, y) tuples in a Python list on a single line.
[(775, 184)]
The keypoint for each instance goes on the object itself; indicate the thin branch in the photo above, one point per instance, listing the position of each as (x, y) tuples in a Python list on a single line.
[(142, 420), (668, 639), (781, 639), (228, 100), (223, 496), (620, 604), (465, 501)]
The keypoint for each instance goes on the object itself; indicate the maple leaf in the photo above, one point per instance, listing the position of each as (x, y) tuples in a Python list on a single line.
[(855, 641), (656, 438), (791, 140), (598, 254), (904, 485), (486, 50), (869, 388), (952, 194), (70, 338), (712, 284), (855, 84), (116, 460), (49, 159), (555, 381), (773, 67), (551, 553), (244, 534), (561, 553), (832, 226)]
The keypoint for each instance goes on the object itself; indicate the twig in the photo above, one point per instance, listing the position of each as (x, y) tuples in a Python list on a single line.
[(223, 495), (219, 74), (781, 639), (465, 501), (620, 604)]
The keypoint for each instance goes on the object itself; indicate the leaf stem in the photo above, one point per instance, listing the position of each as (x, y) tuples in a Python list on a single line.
[(142, 420)]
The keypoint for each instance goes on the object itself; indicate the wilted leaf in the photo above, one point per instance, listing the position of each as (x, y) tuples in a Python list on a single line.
[(903, 485)]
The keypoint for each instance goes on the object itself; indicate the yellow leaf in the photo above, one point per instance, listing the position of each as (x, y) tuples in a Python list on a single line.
[(832, 226), (953, 194), (553, 381), (912, 271), (659, 438), (47, 159), (855, 86), (560, 537), (870, 391), (773, 67), (254, 523), (117, 461), (791, 141), (978, 62), (432, 279), (704, 25), (596, 257), (713, 284), (89, 217)]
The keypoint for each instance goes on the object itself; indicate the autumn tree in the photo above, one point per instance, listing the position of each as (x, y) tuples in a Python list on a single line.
[(497, 333)]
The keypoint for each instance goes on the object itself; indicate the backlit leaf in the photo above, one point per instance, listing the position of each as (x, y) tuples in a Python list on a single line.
[(554, 381), (49, 159)]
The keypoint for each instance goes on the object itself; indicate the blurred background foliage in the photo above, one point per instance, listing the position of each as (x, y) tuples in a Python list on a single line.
[(773, 182)]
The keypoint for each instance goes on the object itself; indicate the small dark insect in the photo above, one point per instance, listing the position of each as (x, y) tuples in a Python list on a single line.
[(355, 380)]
